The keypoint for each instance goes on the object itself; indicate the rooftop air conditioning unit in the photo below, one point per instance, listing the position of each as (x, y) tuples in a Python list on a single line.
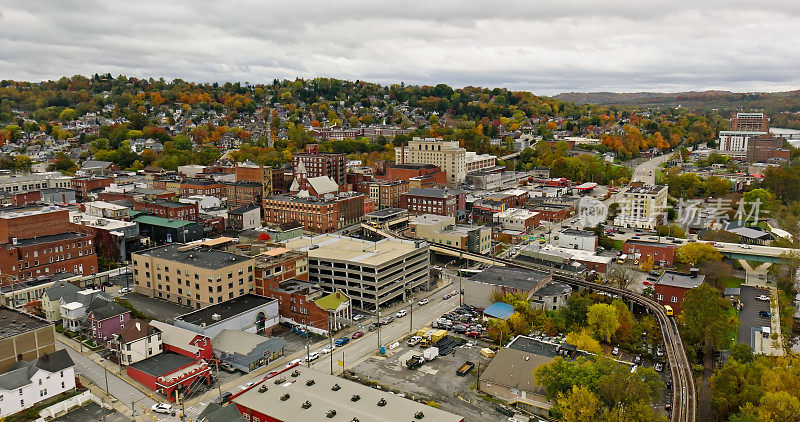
[(216, 317)]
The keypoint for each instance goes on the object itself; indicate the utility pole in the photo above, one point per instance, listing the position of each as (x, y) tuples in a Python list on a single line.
[(378, 311), (330, 338), (411, 310), (308, 345), (219, 383)]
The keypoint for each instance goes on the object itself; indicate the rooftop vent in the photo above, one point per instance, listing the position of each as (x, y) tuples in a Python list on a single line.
[(419, 415), (382, 402), (296, 373), (263, 388), (280, 381), (216, 317), (331, 413), (336, 387), (355, 397), (306, 404), (285, 397), (310, 382)]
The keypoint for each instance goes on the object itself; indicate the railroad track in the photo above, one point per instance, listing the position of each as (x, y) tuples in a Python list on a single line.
[(684, 397)]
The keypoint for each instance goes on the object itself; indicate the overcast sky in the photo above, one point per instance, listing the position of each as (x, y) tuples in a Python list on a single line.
[(542, 46)]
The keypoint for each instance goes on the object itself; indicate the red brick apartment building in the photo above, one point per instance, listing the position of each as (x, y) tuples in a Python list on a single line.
[(426, 174), (39, 241), (277, 265), (316, 215), (244, 193), (320, 164), (169, 209), (435, 201), (207, 187), (83, 185), (750, 122)]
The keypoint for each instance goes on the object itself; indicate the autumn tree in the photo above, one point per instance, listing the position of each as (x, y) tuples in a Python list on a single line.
[(621, 276), (578, 405), (602, 318), (584, 340), (696, 253)]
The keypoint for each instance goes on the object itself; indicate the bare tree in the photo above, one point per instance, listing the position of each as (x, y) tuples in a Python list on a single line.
[(621, 276)]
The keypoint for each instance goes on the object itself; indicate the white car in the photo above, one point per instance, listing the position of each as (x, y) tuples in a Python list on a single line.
[(246, 386), (124, 290), (358, 317), (327, 349), (401, 313), (413, 341), (162, 408), (423, 302), (437, 268), (297, 361), (313, 356), (745, 246), (454, 293), (765, 298), (615, 351)]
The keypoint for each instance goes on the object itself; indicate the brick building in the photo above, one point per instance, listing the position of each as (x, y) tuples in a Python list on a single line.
[(23, 337), (19, 199), (169, 209), (83, 185), (277, 265), (671, 287), (251, 172), (427, 174), (317, 215), (449, 202), (766, 148), (39, 241), (662, 253), (750, 122), (321, 164), (386, 194), (209, 187), (242, 193)]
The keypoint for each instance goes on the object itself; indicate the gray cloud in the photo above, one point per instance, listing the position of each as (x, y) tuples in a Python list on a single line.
[(545, 47)]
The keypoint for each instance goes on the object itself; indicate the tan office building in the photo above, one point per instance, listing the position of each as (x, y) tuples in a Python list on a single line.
[(23, 337), (191, 275)]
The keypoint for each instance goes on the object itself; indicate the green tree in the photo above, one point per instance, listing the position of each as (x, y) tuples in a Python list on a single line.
[(672, 230), (602, 318), (22, 162), (704, 319), (778, 406), (584, 340)]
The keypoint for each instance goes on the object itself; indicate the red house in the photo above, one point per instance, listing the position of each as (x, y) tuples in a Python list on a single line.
[(672, 286), (184, 342)]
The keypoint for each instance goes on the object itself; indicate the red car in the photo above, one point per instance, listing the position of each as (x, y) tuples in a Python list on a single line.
[(647, 283), (474, 334), (357, 334)]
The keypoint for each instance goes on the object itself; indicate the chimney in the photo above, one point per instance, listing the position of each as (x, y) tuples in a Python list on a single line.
[(693, 272)]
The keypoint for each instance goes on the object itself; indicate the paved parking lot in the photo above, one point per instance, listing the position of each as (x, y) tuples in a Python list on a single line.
[(750, 323), (92, 412), (435, 380), (158, 309)]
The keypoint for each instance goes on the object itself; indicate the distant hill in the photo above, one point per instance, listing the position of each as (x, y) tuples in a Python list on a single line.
[(770, 102)]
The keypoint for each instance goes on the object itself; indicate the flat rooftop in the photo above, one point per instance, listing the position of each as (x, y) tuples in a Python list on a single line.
[(319, 393), (14, 322), (387, 212), (517, 278), (676, 279), (357, 251), (199, 257), (51, 238), (162, 364), (228, 309)]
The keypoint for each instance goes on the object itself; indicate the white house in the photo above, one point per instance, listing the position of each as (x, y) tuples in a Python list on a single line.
[(137, 341), (28, 383)]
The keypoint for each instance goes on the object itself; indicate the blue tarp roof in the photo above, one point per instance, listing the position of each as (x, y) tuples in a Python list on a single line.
[(499, 310)]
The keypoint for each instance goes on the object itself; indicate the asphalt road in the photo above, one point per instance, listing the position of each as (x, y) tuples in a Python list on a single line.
[(357, 349), (118, 388)]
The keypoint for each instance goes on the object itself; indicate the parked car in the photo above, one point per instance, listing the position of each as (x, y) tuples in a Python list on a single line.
[(659, 367), (647, 283), (454, 292), (294, 361), (358, 317), (413, 341), (659, 351), (227, 368), (474, 334), (763, 297), (357, 334), (401, 313), (372, 327), (313, 356), (225, 397), (163, 408), (460, 328), (438, 268), (124, 290), (423, 302), (341, 341), (765, 314), (447, 296), (108, 283), (637, 360), (387, 321), (615, 351)]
